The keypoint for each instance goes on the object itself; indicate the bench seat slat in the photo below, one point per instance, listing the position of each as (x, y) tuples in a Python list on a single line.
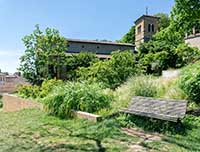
[(165, 109)]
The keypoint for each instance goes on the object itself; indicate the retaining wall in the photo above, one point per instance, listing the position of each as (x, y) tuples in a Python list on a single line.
[(13, 103)]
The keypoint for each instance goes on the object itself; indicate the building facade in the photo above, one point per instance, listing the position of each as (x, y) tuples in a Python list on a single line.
[(100, 48), (145, 27), (193, 39)]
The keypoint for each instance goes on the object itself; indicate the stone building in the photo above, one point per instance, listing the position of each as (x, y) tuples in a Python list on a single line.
[(193, 39), (145, 27), (102, 49)]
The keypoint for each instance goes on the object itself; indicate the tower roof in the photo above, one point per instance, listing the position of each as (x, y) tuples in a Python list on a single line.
[(146, 16)]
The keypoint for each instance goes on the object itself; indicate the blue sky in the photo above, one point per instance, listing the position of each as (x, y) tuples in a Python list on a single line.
[(83, 19)]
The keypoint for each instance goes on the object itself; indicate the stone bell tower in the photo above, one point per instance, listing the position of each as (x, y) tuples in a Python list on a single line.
[(145, 27)]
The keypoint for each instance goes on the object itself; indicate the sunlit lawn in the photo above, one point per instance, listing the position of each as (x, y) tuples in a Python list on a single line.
[(33, 130)]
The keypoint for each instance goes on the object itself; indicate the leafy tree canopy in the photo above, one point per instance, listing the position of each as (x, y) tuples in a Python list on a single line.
[(164, 20), (185, 14), (129, 37), (43, 50)]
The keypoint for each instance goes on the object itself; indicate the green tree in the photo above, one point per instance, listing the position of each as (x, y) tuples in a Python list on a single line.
[(113, 72), (164, 21), (185, 14), (44, 55), (129, 37)]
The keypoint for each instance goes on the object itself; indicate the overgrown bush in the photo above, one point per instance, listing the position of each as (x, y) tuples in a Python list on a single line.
[(186, 55), (111, 72), (28, 91), (189, 81), (47, 86), (34, 91), (73, 63), (76, 96)]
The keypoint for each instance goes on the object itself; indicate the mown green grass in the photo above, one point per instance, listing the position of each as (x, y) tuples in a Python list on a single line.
[(33, 130)]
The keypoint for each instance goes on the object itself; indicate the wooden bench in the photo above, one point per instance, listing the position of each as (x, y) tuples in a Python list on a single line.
[(165, 109)]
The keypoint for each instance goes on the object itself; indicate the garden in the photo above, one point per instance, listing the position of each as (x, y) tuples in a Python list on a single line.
[(66, 84)]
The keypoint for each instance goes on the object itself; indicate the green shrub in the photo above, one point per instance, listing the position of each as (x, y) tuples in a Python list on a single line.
[(29, 91), (47, 86), (111, 72), (186, 55), (73, 63), (76, 96), (189, 81), (154, 63)]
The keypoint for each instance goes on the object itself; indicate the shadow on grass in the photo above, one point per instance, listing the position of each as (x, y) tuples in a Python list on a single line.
[(160, 126)]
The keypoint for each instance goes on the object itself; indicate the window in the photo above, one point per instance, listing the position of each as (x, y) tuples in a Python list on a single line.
[(150, 28), (83, 46), (68, 45), (139, 29), (97, 47)]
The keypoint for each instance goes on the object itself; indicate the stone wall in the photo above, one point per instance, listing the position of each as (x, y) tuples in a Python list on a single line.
[(13, 103), (76, 46), (193, 40)]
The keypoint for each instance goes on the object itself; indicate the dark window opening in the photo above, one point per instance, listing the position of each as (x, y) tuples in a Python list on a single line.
[(97, 47), (83, 46), (139, 29), (150, 28), (68, 45)]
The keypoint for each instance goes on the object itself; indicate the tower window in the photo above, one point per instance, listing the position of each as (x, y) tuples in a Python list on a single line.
[(150, 28), (139, 29)]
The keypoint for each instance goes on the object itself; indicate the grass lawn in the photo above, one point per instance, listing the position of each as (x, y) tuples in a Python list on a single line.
[(33, 130)]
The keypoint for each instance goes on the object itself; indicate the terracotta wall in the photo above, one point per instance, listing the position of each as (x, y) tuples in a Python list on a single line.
[(13, 103)]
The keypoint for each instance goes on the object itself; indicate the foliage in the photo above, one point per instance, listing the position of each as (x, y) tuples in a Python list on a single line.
[(145, 86), (44, 55), (164, 21), (34, 91), (161, 52), (129, 37), (28, 91), (73, 63), (76, 96), (111, 72), (189, 81), (186, 55), (154, 63), (185, 14), (47, 86)]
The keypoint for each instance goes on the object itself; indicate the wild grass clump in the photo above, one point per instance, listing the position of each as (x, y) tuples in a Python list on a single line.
[(189, 81), (83, 96)]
